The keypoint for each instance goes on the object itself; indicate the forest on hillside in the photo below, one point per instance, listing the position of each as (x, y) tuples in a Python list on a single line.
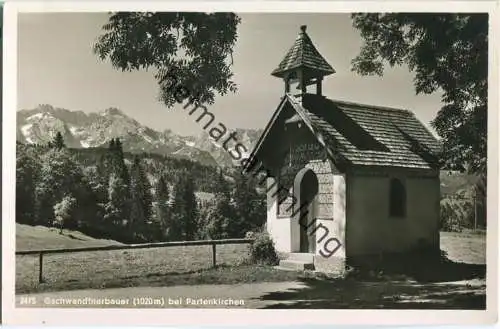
[(107, 193)]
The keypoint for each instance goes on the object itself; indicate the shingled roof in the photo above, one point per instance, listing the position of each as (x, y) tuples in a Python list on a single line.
[(365, 135), (303, 54), (352, 134)]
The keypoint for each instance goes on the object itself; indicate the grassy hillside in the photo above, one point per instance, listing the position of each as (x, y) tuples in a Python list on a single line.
[(41, 237)]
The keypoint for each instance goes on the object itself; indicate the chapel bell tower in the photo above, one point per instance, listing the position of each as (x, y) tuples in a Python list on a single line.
[(303, 65)]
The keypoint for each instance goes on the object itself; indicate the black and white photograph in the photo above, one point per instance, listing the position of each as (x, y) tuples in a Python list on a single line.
[(226, 159)]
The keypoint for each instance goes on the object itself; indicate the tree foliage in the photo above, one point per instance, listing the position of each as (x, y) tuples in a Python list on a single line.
[(59, 176), (262, 249), (220, 214), (63, 211), (162, 197), (235, 210), (27, 170), (116, 210), (250, 207), (447, 53), (196, 47), (141, 200), (184, 217), (58, 141)]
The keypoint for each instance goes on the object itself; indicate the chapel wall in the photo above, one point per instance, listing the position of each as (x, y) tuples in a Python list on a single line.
[(370, 228)]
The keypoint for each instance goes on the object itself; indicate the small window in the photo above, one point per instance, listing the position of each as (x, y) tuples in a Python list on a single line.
[(397, 199)]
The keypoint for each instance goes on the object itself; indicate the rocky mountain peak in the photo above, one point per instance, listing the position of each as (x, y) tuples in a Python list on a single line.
[(86, 130), (113, 111)]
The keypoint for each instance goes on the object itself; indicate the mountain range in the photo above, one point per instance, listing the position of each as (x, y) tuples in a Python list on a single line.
[(90, 130)]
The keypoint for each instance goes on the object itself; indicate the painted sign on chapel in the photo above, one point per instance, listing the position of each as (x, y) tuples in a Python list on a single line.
[(304, 154)]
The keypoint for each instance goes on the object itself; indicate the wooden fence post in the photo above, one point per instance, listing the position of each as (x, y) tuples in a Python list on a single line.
[(475, 209), (214, 257), (40, 273)]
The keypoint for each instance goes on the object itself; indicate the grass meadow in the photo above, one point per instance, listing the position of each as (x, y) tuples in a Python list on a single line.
[(135, 267)]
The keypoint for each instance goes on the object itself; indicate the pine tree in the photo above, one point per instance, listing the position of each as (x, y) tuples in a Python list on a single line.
[(175, 230), (220, 213), (116, 215), (92, 197), (112, 145), (202, 221), (137, 216), (115, 160), (163, 209), (58, 142), (118, 211), (107, 162), (102, 174), (221, 185), (141, 200), (250, 208), (26, 175), (137, 226), (184, 210), (119, 157), (119, 148), (191, 220), (217, 223)]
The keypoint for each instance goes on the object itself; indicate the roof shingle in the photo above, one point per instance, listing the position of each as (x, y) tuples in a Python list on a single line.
[(396, 130), (303, 54)]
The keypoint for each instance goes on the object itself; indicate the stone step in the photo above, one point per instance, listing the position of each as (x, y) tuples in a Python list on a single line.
[(301, 256), (296, 265)]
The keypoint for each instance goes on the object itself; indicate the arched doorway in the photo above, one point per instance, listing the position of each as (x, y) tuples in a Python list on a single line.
[(306, 191)]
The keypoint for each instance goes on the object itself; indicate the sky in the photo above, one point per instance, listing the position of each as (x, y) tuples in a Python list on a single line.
[(56, 65)]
